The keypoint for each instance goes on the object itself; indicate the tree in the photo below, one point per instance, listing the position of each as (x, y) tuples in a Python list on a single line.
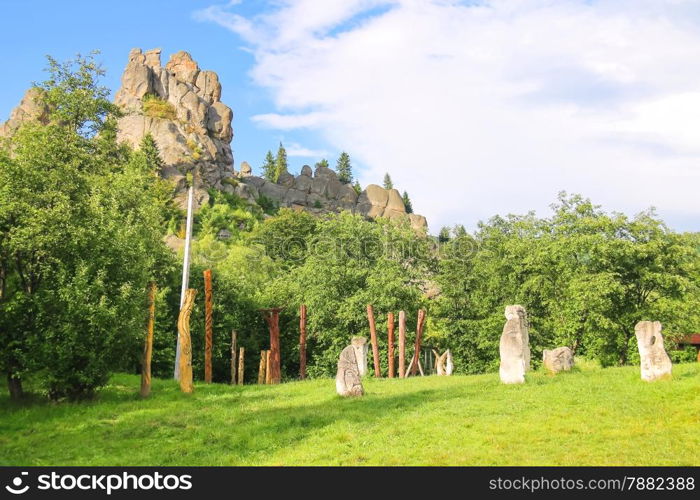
[(322, 163), (357, 187), (280, 162), (388, 184), (344, 168), (444, 235), (269, 168), (81, 225), (407, 203), (150, 150)]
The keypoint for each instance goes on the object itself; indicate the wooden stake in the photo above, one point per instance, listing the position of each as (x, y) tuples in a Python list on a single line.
[(234, 336), (419, 337), (373, 340), (241, 359), (208, 306), (302, 341), (402, 344), (148, 348), (183, 329), (268, 377), (390, 329), (272, 317), (261, 368)]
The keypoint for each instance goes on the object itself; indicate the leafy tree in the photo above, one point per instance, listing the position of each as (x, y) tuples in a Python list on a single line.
[(280, 162), (407, 203), (81, 224), (459, 231), (444, 235), (344, 168), (388, 184), (269, 168)]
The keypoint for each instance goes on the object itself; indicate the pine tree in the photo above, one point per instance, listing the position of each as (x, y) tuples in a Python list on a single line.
[(268, 167), (407, 203), (357, 187), (322, 163), (344, 168), (150, 149), (280, 162), (387, 182)]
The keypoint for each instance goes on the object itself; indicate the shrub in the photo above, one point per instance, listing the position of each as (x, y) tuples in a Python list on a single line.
[(155, 107)]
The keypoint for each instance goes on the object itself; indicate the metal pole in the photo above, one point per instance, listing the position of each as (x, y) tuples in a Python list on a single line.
[(185, 269)]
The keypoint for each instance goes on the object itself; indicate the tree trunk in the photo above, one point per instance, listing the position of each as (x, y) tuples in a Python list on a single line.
[(373, 340), (208, 307), (148, 348), (390, 327), (183, 328), (241, 360), (419, 338), (402, 344), (233, 356), (14, 385), (302, 342)]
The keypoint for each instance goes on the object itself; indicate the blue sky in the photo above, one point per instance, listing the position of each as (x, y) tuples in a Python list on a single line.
[(476, 108)]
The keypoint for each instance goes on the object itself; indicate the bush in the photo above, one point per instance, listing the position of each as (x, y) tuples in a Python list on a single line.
[(155, 107)]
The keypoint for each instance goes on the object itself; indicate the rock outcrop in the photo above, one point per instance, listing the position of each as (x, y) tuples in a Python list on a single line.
[(179, 105), (654, 361), (30, 108), (514, 346), (558, 360), (321, 191)]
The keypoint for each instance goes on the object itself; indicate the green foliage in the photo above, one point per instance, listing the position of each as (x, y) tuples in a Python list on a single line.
[(388, 183), (318, 204), (322, 163), (357, 187), (155, 107), (444, 235), (269, 168), (407, 203), (280, 162), (81, 222), (150, 150), (344, 168), (267, 205)]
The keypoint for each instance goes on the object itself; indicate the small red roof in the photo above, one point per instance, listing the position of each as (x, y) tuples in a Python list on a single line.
[(692, 339)]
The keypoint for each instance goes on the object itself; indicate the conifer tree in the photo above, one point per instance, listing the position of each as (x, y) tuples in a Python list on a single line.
[(150, 149), (322, 163), (344, 168), (444, 235), (269, 167), (388, 184), (280, 162), (407, 203), (357, 187)]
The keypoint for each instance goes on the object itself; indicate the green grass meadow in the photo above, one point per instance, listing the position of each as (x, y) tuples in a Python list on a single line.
[(590, 416)]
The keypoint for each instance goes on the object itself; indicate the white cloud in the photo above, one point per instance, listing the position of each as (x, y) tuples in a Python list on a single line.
[(494, 107), (294, 149)]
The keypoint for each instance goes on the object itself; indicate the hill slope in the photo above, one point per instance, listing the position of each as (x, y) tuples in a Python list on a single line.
[(588, 417)]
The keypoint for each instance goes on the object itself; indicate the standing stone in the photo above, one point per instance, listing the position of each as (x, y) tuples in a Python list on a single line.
[(449, 365), (558, 360), (655, 363), (359, 344), (347, 380), (514, 346)]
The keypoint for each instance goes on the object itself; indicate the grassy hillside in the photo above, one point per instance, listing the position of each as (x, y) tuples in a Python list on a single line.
[(588, 417)]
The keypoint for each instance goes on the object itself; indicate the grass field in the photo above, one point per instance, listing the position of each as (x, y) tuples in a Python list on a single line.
[(588, 417)]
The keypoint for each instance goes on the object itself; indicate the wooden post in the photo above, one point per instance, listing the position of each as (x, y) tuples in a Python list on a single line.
[(268, 378), (241, 359), (272, 317), (302, 341), (390, 328), (183, 328), (208, 304), (261, 367), (402, 344), (234, 339), (373, 340), (148, 348), (419, 337)]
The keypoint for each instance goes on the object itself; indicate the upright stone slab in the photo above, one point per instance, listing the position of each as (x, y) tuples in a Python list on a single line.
[(514, 346), (347, 379), (359, 344), (558, 360), (654, 360)]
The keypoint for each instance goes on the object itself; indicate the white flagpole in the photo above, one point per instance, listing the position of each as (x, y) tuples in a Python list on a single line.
[(185, 269)]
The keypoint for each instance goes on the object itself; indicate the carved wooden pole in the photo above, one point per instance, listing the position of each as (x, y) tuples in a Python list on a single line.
[(268, 378), (402, 344), (208, 303), (183, 328), (419, 337), (241, 360), (302, 341), (234, 338), (390, 328), (261, 367), (148, 348), (373, 340), (272, 317)]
